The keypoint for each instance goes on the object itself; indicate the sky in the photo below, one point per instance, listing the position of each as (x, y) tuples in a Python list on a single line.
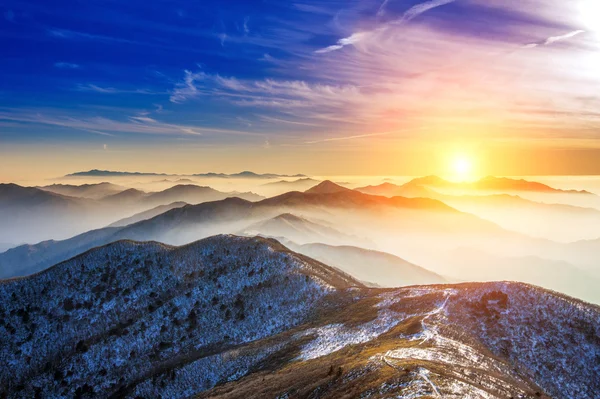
[(386, 87)]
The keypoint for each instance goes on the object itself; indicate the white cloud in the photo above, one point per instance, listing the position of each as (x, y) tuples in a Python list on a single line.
[(412, 13), (110, 127), (187, 88)]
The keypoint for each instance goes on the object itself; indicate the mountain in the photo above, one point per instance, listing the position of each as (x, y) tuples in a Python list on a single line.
[(293, 185), (495, 340), (379, 268), (491, 183), (109, 173), (530, 217), (234, 317), (5, 246), (299, 230), (284, 186), (192, 194), (29, 214), (245, 174), (252, 175), (190, 223), (327, 187), (210, 218), (503, 183), (127, 197), (125, 313), (392, 190), (93, 191), (149, 214), (477, 265), (510, 211)]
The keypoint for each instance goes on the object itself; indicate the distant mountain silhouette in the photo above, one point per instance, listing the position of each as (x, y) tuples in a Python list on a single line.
[(94, 191), (245, 174), (185, 224), (379, 268), (299, 230), (491, 183), (30, 214), (393, 190), (127, 197), (327, 187), (294, 185), (109, 173), (192, 194), (149, 214)]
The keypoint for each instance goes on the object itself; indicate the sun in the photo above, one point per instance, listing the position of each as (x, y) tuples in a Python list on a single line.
[(462, 167)]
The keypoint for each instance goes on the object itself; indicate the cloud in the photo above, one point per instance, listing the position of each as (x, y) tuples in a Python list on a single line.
[(187, 88), (554, 39), (66, 65), (222, 38), (245, 25), (412, 13), (109, 127), (112, 90), (105, 147), (360, 136), (381, 10)]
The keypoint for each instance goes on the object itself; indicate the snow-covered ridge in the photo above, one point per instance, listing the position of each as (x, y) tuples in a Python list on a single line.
[(245, 317), (109, 319)]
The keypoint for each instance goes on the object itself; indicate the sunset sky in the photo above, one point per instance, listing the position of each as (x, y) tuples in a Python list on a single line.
[(386, 87)]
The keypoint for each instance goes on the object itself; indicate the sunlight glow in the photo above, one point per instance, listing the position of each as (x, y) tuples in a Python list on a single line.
[(462, 167), (590, 14)]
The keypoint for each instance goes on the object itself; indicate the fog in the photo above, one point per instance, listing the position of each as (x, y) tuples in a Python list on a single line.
[(550, 239)]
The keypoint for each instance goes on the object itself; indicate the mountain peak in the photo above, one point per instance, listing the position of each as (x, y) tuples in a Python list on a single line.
[(327, 187)]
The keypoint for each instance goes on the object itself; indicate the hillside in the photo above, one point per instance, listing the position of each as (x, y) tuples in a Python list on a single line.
[(119, 316), (245, 317), (300, 230), (495, 340), (491, 183), (93, 191), (190, 223), (284, 186), (327, 187), (379, 268), (149, 214), (30, 214), (393, 190)]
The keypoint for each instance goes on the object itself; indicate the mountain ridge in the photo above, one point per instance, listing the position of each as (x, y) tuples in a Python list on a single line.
[(235, 317)]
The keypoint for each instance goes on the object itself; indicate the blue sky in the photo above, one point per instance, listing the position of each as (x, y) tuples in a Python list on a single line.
[(260, 75)]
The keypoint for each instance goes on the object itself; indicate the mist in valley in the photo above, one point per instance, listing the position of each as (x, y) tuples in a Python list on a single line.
[(454, 233)]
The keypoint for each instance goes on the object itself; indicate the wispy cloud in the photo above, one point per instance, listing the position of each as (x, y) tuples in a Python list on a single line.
[(554, 39), (113, 90), (107, 126), (412, 13), (344, 138), (66, 65), (187, 88)]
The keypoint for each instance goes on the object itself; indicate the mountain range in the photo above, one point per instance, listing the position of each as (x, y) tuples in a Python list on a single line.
[(234, 317), (189, 223), (32, 214), (241, 175)]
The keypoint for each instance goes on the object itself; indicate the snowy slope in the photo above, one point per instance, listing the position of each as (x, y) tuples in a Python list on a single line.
[(115, 316), (245, 317)]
